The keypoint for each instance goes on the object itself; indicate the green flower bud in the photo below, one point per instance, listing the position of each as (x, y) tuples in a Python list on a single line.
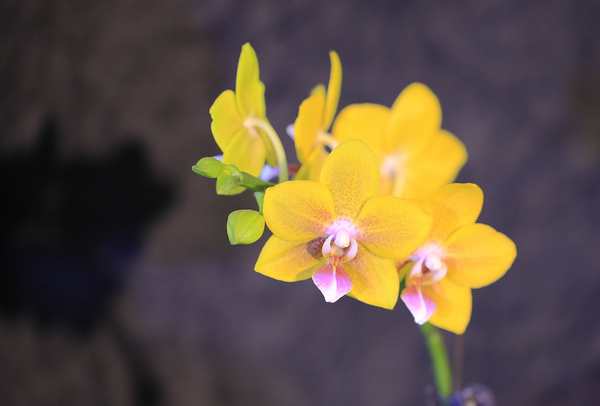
[(245, 226), (229, 181), (208, 167)]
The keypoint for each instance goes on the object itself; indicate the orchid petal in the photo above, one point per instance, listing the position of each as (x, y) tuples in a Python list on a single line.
[(332, 281), (477, 255), (375, 279), (364, 122), (298, 210), (226, 119), (333, 90), (246, 151), (392, 227), (311, 170), (453, 305), (287, 261), (351, 173), (454, 205), (249, 90), (419, 304), (237, 154), (415, 117), (308, 123), (437, 164)]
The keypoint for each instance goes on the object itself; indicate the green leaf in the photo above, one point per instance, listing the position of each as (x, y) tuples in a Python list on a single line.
[(245, 226), (208, 167)]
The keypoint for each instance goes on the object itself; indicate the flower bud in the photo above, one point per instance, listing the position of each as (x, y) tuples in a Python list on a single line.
[(208, 167), (245, 226)]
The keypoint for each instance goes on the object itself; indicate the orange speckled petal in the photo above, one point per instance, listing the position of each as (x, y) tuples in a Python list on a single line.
[(287, 261), (351, 173), (298, 210), (392, 227)]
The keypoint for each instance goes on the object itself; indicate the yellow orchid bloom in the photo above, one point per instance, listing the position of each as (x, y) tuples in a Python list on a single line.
[(339, 232), (315, 116), (458, 255), (415, 154), (239, 123)]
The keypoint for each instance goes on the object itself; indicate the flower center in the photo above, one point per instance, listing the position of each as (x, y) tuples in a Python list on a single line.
[(340, 245), (429, 266)]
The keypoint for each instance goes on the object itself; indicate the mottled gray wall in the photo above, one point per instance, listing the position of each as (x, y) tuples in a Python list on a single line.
[(119, 286)]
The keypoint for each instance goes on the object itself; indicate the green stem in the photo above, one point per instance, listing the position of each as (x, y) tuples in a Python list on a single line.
[(253, 183), (275, 142), (439, 360), (231, 178)]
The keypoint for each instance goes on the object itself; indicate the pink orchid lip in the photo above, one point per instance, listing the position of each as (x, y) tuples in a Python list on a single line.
[(428, 266), (332, 281), (341, 242), (418, 303)]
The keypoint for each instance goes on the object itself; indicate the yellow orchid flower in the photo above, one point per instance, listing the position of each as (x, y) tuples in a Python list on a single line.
[(339, 232), (458, 255), (415, 154), (315, 116), (239, 123)]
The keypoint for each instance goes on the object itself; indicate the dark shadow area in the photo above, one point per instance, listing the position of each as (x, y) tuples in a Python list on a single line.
[(70, 227)]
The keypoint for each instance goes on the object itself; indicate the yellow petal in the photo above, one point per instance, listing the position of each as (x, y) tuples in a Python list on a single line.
[(287, 261), (437, 164), (270, 154), (226, 119), (246, 151), (364, 122), (415, 117), (374, 279), (311, 170), (298, 210), (454, 206), (351, 173), (308, 124), (333, 90), (477, 255), (392, 227), (453, 305), (237, 153), (249, 90)]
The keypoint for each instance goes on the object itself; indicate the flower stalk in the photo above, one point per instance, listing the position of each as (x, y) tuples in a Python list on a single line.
[(275, 142), (442, 372)]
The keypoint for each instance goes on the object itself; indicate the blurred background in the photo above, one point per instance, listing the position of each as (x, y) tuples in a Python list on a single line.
[(118, 285)]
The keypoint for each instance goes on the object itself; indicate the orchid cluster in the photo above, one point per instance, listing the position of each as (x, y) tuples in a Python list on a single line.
[(370, 210)]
